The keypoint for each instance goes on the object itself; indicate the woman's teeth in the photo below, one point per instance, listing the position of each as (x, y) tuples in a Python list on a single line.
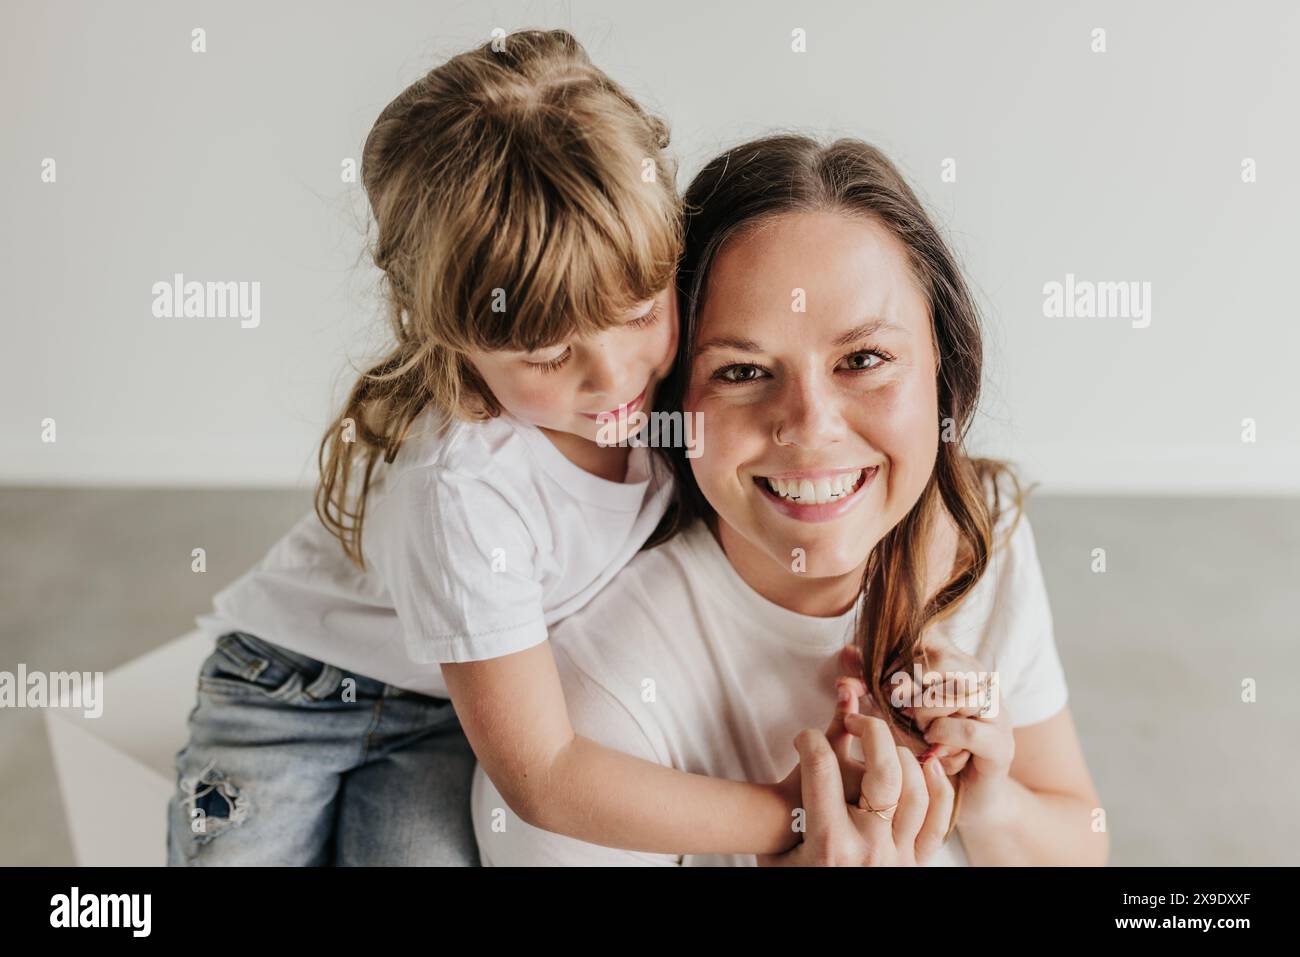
[(819, 492)]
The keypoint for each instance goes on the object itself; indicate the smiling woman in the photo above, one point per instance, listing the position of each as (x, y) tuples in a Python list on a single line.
[(826, 332), (815, 395)]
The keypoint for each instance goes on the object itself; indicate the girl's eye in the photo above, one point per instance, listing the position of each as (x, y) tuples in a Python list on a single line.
[(739, 373), (857, 360), (550, 365), (649, 319)]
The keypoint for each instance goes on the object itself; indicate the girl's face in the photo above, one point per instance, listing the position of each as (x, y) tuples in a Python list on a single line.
[(590, 387), (815, 372)]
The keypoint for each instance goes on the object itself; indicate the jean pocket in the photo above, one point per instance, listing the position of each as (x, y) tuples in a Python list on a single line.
[(242, 664)]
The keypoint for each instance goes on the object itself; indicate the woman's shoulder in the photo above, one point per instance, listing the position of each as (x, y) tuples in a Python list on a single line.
[(1011, 576), (1006, 620), (1005, 496)]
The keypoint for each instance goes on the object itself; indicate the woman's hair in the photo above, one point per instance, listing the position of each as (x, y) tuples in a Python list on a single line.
[(521, 197), (750, 184)]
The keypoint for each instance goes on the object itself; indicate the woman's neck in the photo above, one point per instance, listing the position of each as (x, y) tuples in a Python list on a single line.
[(817, 597)]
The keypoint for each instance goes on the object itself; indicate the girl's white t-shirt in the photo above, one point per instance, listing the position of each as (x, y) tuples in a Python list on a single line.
[(477, 538), (680, 662)]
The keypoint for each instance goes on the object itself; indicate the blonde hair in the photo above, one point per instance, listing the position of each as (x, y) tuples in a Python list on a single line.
[(521, 197)]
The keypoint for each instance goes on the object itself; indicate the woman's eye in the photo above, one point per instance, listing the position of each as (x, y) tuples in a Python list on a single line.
[(738, 373), (865, 361)]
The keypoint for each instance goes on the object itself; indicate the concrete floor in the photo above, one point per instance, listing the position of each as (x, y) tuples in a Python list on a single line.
[(1199, 595)]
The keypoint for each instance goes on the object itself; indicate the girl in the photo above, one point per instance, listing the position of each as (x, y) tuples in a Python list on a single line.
[(528, 231)]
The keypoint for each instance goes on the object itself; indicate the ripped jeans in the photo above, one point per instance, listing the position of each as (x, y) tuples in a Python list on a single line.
[(292, 761)]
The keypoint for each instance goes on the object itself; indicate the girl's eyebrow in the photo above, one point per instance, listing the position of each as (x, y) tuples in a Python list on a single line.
[(868, 328)]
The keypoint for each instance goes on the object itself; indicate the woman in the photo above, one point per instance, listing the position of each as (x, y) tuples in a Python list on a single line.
[(832, 349)]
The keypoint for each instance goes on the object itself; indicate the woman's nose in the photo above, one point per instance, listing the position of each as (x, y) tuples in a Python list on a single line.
[(807, 414)]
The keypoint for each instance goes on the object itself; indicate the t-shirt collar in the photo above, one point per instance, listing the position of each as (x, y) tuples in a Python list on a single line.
[(622, 496), (797, 631)]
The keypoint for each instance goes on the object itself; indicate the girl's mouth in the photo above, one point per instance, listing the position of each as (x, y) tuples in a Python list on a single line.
[(627, 408), (816, 496)]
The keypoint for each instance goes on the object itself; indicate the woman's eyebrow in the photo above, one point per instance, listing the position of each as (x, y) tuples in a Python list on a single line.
[(728, 342), (869, 328)]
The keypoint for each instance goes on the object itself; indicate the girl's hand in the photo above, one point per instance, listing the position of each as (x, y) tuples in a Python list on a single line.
[(950, 689), (912, 806), (991, 744), (949, 694), (850, 694)]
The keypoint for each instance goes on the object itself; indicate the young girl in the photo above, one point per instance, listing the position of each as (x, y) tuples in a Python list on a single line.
[(528, 231)]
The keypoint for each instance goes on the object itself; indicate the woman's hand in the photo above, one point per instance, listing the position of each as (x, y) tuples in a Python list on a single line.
[(900, 817)]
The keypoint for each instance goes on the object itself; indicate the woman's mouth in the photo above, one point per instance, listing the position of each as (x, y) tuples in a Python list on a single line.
[(816, 496)]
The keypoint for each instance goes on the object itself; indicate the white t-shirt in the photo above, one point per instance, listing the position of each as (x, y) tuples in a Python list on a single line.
[(476, 540), (680, 662)]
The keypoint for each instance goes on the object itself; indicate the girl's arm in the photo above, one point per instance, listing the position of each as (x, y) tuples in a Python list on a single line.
[(513, 711)]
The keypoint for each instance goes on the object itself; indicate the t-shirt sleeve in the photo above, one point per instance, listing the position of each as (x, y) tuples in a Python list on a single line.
[(506, 841), (1023, 644), (459, 564)]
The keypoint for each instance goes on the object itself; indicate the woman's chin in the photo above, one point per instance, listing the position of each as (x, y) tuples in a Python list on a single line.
[(826, 553)]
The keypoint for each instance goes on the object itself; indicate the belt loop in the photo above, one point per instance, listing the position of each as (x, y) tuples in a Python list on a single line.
[(326, 683)]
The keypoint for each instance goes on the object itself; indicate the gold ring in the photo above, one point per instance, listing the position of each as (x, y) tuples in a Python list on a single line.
[(877, 811)]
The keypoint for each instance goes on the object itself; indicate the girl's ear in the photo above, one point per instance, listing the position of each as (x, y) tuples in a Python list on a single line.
[(476, 399)]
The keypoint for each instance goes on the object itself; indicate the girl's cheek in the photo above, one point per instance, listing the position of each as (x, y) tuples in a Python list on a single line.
[(666, 346), (536, 401)]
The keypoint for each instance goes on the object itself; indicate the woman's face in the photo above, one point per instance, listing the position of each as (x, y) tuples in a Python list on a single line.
[(815, 373)]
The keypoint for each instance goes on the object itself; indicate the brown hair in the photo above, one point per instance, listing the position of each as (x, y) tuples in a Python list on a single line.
[(752, 183), (521, 197)]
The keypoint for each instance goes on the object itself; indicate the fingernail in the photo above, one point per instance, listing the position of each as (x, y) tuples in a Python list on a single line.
[(844, 696)]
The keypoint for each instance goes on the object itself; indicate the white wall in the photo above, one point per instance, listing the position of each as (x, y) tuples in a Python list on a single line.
[(1123, 165)]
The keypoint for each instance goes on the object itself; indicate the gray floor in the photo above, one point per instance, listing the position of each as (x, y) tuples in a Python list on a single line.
[(1198, 596)]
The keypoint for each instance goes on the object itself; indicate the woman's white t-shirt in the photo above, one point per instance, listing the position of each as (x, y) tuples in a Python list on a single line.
[(680, 662), (477, 538)]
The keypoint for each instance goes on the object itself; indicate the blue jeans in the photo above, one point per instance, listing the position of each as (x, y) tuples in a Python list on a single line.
[(293, 762)]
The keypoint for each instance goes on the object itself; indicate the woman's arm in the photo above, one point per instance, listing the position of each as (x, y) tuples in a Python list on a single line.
[(513, 711), (1047, 809)]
